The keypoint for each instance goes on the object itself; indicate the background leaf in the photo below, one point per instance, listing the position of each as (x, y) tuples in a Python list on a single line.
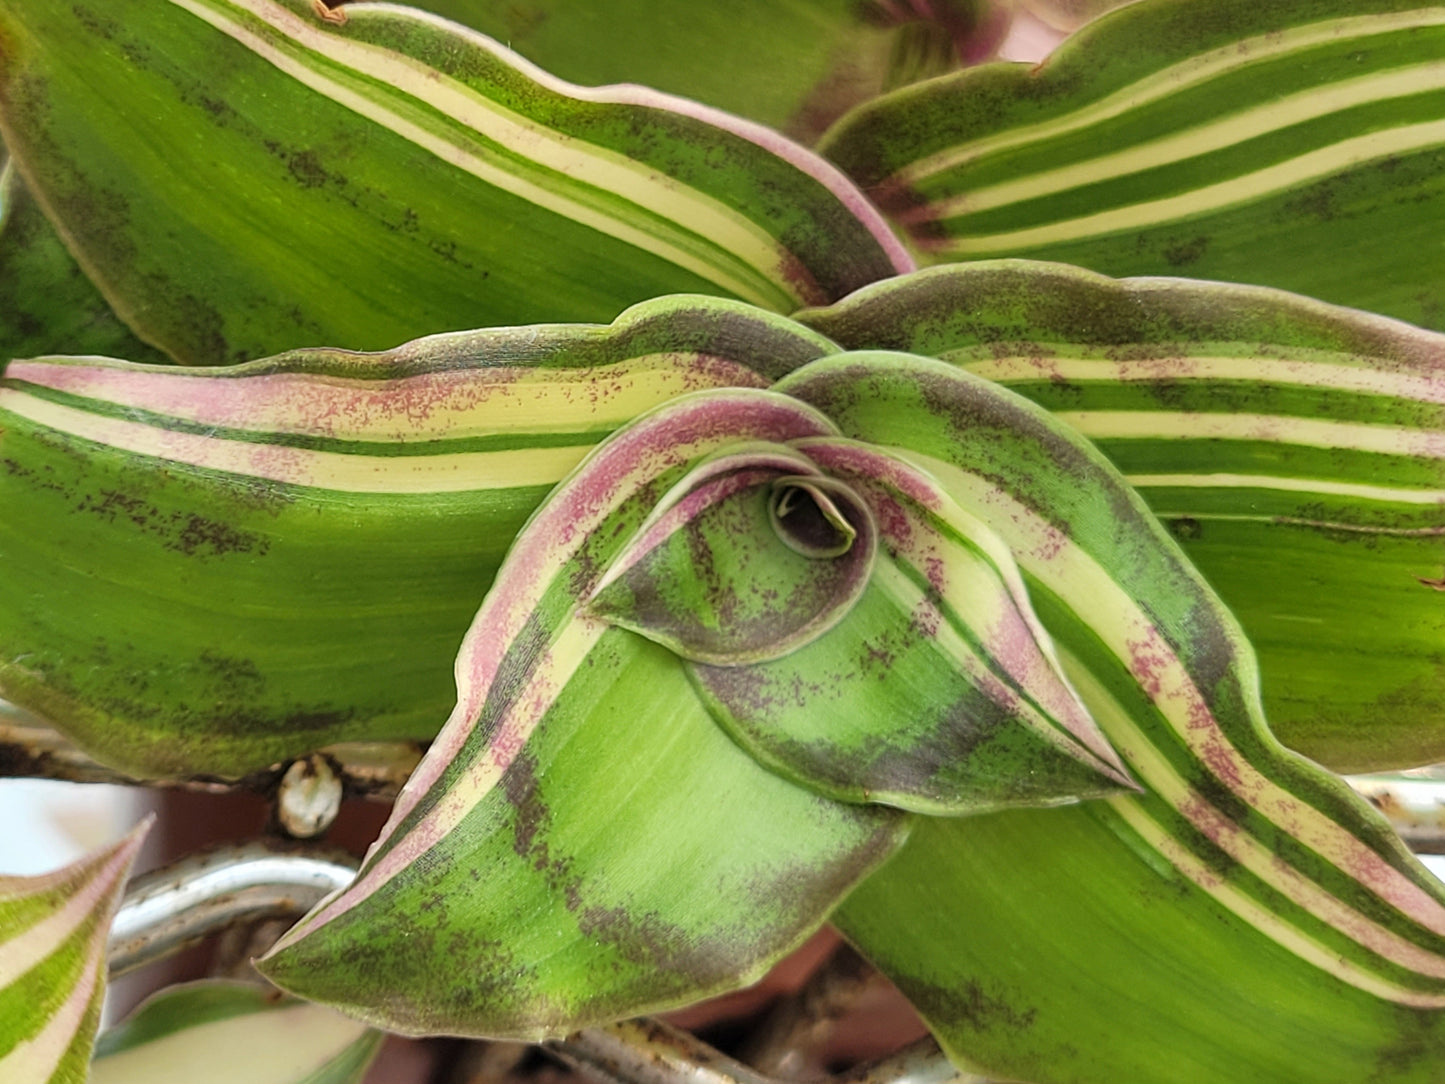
[(232, 1033), (212, 570), (392, 177), (47, 305), (807, 61), (53, 931), (1298, 144), (1291, 447)]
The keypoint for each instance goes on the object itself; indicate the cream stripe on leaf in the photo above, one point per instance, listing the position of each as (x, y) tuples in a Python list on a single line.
[(1227, 140), (1095, 366), (232, 1033), (437, 472), (1258, 186), (1272, 880), (1265, 917), (1326, 555), (814, 53), (371, 406), (1405, 441), (1146, 482), (305, 537), (1267, 120), (1167, 148), (1263, 121), (53, 933), (469, 187), (496, 146), (1256, 874), (1146, 87)]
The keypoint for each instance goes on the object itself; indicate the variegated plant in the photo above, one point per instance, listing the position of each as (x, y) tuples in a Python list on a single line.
[(785, 615), (52, 963)]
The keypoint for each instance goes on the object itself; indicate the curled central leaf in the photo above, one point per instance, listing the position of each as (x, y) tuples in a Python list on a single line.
[(857, 631), (940, 692), (751, 556), (805, 517)]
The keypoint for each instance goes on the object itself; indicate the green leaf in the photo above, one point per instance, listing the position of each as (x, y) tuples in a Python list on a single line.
[(558, 859), (1296, 144), (393, 176), (47, 305), (53, 931), (212, 570), (1137, 938), (806, 61), (1291, 447), (232, 1033)]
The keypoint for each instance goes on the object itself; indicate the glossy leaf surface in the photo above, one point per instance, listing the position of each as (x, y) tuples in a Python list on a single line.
[(1135, 938), (393, 175), (1296, 144), (1292, 448), (211, 570), (53, 931), (232, 1033)]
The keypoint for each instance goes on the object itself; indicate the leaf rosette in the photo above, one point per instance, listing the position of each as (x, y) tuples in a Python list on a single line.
[(760, 641), (730, 617)]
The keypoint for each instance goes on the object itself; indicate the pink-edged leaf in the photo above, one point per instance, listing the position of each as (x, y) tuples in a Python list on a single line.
[(359, 182), (940, 691), (306, 538), (751, 555), (1143, 937), (556, 859)]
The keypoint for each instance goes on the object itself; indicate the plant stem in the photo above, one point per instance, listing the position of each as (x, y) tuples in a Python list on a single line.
[(172, 908)]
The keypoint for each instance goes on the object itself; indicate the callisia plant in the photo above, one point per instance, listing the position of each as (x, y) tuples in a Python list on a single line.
[(873, 534)]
